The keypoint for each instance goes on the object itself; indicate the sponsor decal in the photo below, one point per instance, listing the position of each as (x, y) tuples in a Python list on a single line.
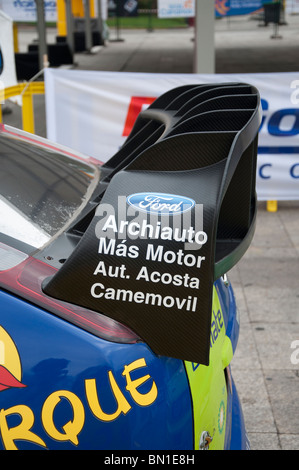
[(10, 376), (160, 203), (114, 234), (10, 364), (221, 417)]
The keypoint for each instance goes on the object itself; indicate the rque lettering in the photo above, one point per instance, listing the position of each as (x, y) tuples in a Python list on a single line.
[(72, 428)]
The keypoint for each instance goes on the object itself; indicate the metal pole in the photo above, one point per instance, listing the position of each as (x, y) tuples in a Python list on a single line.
[(88, 33), (69, 25), (204, 56), (100, 20), (150, 24), (117, 17), (41, 28)]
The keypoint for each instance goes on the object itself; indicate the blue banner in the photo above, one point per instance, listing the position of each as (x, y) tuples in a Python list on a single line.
[(237, 7)]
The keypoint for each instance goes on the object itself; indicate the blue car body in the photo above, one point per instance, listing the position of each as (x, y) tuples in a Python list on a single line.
[(58, 358), (85, 366)]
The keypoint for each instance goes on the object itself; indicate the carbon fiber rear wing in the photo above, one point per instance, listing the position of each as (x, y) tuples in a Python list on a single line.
[(178, 211)]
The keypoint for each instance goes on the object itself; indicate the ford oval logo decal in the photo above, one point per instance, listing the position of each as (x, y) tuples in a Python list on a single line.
[(160, 203)]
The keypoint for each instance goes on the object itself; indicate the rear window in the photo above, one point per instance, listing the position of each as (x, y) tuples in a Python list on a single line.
[(41, 189)]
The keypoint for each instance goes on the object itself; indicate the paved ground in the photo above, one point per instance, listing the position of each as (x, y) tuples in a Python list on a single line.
[(266, 280)]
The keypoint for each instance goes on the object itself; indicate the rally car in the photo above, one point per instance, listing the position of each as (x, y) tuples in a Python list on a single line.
[(118, 323)]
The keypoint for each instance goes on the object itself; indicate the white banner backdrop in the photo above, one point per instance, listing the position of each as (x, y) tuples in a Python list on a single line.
[(25, 10), (93, 112), (176, 8), (292, 6), (8, 75)]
